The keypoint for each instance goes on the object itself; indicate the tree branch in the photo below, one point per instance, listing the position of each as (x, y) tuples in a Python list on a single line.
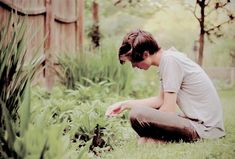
[(217, 6), (208, 3), (218, 26), (209, 38), (117, 2), (220, 5), (194, 12)]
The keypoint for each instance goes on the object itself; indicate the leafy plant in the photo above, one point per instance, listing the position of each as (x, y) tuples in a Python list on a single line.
[(15, 77), (80, 115), (95, 67)]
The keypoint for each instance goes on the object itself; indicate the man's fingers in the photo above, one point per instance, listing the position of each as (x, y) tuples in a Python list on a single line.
[(108, 112), (112, 111), (111, 114)]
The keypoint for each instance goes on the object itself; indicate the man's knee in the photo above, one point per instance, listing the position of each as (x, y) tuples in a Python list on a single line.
[(140, 121), (135, 115)]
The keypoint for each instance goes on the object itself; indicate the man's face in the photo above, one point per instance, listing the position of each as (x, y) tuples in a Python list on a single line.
[(144, 64), (141, 65)]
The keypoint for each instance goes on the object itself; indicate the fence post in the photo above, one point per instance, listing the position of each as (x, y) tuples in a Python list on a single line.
[(79, 24), (48, 73)]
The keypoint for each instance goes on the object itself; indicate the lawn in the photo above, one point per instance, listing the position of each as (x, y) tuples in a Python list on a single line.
[(76, 113), (219, 148)]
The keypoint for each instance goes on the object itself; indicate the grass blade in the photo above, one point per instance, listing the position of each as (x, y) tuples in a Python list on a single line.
[(25, 110)]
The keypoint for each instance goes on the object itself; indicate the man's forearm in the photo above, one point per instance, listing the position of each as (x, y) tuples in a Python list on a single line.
[(154, 102)]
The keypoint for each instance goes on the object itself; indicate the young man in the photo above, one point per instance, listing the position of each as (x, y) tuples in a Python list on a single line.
[(183, 84)]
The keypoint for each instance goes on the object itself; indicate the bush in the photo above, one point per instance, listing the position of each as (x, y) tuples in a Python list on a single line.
[(97, 66), (75, 118)]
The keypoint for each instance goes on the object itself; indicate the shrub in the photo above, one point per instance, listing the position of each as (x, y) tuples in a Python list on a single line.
[(100, 65)]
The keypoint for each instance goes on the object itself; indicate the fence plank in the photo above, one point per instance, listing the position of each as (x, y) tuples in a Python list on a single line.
[(60, 21), (48, 48), (79, 24), (4, 15), (64, 39), (65, 32), (65, 10), (26, 7)]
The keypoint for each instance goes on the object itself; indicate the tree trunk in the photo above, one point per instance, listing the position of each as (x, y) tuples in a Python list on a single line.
[(202, 33), (95, 12), (201, 49), (95, 31)]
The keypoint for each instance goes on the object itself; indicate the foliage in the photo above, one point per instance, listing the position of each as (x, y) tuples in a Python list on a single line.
[(100, 65), (95, 36), (69, 123), (15, 77), (219, 53), (146, 8), (221, 12), (63, 124), (223, 15), (121, 16), (170, 29)]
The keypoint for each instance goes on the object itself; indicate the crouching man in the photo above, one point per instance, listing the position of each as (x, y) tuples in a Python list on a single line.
[(183, 84)]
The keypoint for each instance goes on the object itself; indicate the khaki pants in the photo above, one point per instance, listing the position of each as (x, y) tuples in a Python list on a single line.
[(152, 123)]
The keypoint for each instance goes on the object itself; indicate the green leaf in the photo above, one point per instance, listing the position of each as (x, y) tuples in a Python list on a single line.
[(8, 124), (25, 109), (84, 150)]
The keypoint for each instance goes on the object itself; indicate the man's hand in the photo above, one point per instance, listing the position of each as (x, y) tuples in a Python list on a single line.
[(115, 109)]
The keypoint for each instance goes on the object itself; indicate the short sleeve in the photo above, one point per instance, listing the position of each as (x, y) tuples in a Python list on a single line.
[(171, 74)]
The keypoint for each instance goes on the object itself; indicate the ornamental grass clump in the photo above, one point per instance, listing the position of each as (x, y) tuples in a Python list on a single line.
[(15, 77), (95, 65)]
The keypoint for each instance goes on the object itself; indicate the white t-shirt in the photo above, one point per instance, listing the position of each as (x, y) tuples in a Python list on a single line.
[(196, 95)]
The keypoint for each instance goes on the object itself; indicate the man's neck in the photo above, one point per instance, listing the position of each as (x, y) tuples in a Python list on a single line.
[(156, 58)]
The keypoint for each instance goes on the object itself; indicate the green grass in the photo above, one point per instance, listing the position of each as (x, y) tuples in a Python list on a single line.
[(58, 116), (205, 149), (60, 119)]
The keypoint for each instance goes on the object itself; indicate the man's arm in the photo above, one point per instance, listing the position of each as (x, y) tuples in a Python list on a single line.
[(169, 104), (117, 108), (154, 102)]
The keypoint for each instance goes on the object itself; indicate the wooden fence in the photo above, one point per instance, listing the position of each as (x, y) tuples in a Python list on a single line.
[(60, 21)]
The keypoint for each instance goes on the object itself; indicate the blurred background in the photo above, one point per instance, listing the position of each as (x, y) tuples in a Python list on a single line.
[(59, 71), (73, 26)]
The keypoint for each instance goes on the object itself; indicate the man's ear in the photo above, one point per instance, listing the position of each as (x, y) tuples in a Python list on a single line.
[(145, 54)]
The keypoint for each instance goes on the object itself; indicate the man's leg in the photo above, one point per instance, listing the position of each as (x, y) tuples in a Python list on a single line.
[(151, 123)]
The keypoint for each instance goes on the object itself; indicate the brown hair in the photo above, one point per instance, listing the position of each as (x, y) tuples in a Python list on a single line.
[(135, 43)]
